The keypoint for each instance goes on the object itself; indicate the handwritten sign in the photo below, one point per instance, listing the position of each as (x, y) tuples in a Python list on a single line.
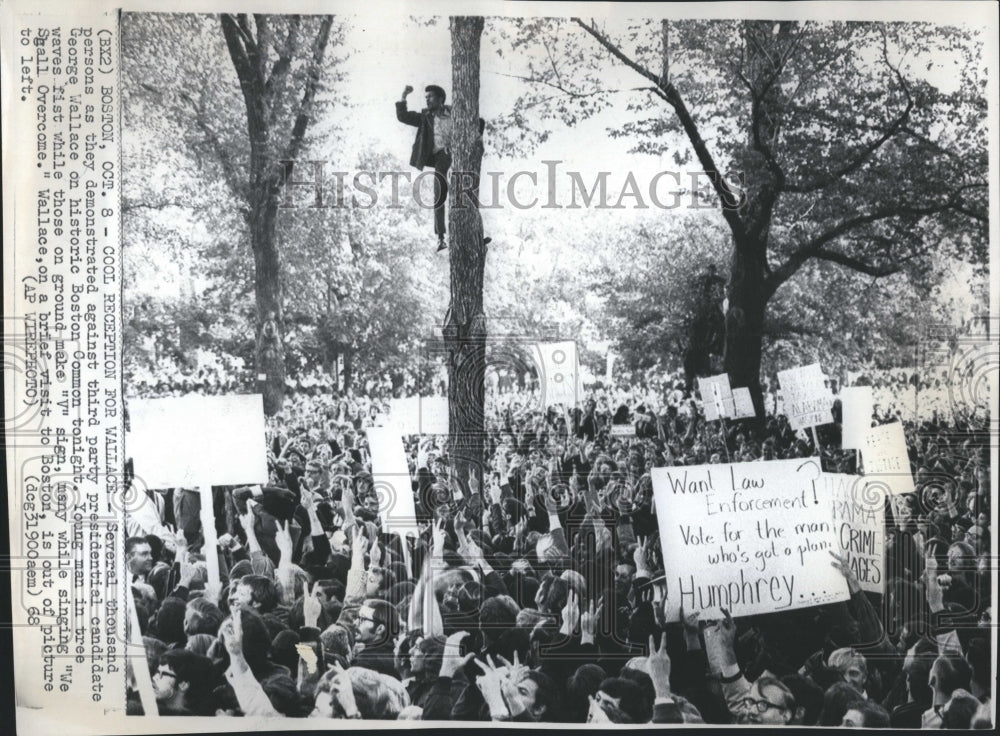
[(859, 522), (750, 537), (743, 403), (716, 397), (886, 461), (623, 430), (558, 372), (856, 405), (806, 399)]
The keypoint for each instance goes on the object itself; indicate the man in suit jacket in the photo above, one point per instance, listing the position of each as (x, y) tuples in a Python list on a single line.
[(432, 146)]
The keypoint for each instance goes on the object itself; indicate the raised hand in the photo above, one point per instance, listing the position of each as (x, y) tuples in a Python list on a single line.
[(232, 634), (589, 620), (438, 536), (659, 666), (570, 613), (283, 541), (343, 691), (842, 564), (312, 607), (452, 660), (491, 684)]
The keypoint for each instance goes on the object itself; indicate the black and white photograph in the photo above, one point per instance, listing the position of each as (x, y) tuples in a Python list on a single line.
[(569, 364)]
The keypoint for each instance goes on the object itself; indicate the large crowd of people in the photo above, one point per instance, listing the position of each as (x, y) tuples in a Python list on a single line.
[(529, 594)]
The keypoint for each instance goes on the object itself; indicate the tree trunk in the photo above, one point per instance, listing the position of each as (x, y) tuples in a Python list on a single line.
[(268, 291), (465, 324), (745, 323)]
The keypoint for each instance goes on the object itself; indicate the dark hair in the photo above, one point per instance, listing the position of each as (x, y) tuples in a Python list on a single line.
[(132, 542), (875, 716), (808, 696), (547, 695), (264, 591), (950, 672), (959, 711), (433, 88), (194, 669), (208, 617), (918, 670), (645, 683), (630, 697), (385, 615), (837, 700), (978, 656), (583, 683)]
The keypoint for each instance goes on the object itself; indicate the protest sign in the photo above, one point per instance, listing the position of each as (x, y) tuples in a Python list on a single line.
[(856, 407), (750, 537), (190, 440), (886, 460), (743, 403), (806, 399), (558, 372), (391, 477), (623, 430), (716, 397), (199, 441), (421, 415), (859, 523)]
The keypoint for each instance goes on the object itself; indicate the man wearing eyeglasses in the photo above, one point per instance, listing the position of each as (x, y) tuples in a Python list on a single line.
[(375, 629), (181, 680)]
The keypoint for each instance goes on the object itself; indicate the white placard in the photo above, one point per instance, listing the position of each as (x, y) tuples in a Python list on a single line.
[(750, 537), (859, 522), (856, 408), (806, 399), (743, 403), (716, 397), (391, 476), (886, 461), (198, 440), (623, 430), (558, 372), (433, 415)]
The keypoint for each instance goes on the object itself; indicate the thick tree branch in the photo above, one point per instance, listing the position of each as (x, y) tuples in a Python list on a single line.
[(309, 93), (814, 247), (857, 264)]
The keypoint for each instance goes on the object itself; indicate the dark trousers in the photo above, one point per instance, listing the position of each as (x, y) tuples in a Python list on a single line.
[(442, 162)]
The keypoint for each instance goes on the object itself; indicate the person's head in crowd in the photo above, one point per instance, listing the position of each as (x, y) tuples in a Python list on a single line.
[(808, 699), (202, 617), (642, 678), (426, 657), (200, 644), (979, 657), (837, 700), (580, 687), (625, 694), (852, 667), (769, 701), (377, 623), (552, 594), (254, 592), (948, 673), (917, 670), (960, 709), (865, 714), (376, 696), (181, 682), (169, 622), (535, 694), (337, 640), (138, 556), (154, 648)]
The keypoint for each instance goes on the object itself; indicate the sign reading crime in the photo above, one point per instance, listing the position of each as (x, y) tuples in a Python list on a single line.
[(859, 522), (749, 537)]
